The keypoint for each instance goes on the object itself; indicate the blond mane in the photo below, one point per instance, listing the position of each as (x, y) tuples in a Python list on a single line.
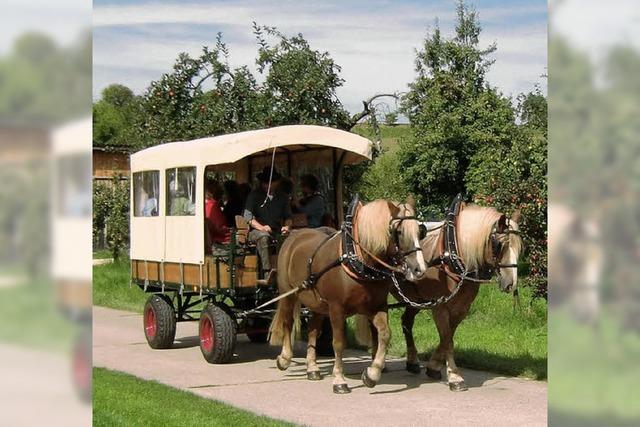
[(373, 226), (474, 228)]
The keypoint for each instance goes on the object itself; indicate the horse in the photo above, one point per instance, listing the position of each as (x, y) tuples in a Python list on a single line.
[(489, 242), (576, 261), (338, 282)]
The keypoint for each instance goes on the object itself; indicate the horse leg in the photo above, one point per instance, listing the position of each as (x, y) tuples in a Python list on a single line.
[(336, 314), (315, 326), (408, 317), (285, 309), (374, 344), (455, 379), (437, 359), (372, 374)]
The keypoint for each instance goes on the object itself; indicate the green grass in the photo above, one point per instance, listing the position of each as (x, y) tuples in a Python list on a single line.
[(102, 254), (594, 370), (29, 315), (494, 336), (124, 400), (111, 287)]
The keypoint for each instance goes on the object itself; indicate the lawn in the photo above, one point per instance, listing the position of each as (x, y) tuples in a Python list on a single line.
[(594, 369), (124, 400), (30, 315), (495, 336)]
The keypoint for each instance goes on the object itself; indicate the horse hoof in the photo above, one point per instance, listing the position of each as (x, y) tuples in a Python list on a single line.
[(414, 368), (314, 376), (461, 386), (341, 389), (367, 381), (282, 366), (434, 374)]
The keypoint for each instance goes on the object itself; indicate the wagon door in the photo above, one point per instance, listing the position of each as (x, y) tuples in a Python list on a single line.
[(147, 220), (184, 220)]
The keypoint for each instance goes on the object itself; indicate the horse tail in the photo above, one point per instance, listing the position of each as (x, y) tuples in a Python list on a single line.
[(363, 330), (288, 311)]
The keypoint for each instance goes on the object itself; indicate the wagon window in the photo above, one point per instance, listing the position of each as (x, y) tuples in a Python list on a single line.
[(146, 193), (181, 191)]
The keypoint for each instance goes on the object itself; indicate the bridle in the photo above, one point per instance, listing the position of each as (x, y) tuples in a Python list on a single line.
[(394, 229), (497, 246)]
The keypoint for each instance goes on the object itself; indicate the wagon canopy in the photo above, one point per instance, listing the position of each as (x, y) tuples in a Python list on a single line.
[(230, 148)]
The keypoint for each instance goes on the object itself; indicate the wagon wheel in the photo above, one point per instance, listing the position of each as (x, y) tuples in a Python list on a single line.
[(217, 334), (159, 321), (259, 330), (81, 366)]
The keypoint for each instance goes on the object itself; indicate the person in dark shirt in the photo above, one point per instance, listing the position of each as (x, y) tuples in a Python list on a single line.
[(268, 213), (234, 202), (312, 204)]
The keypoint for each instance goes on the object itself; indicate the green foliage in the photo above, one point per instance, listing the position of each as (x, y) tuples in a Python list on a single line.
[(204, 96), (391, 118), (453, 113), (515, 177), (111, 214), (40, 80), (468, 138), (23, 218), (114, 118)]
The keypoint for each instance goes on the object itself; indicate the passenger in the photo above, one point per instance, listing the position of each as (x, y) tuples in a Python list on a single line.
[(234, 202), (180, 203), (268, 213), (312, 203), (150, 207), (216, 224)]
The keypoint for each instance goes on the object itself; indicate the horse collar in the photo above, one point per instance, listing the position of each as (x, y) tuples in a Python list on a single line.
[(351, 260), (450, 254)]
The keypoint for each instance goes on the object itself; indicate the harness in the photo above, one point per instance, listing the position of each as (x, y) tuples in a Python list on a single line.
[(350, 252)]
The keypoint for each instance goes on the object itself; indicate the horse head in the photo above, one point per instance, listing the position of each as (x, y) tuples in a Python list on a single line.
[(504, 249)]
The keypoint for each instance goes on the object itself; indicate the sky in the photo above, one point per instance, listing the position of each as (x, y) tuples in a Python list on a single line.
[(373, 41)]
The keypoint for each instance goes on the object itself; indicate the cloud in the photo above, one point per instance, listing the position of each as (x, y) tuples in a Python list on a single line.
[(375, 45)]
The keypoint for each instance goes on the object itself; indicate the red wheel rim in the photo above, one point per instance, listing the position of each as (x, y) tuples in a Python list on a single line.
[(150, 323), (81, 369), (206, 334)]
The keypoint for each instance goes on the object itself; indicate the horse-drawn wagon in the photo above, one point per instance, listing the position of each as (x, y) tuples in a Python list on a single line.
[(170, 256)]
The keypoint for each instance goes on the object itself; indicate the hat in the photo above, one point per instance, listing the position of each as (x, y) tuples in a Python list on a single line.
[(266, 173)]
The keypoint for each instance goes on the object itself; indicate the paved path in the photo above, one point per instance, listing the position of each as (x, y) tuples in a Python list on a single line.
[(253, 382), (36, 389)]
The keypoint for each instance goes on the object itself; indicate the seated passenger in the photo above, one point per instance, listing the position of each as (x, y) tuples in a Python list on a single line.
[(181, 205), (234, 202), (217, 226), (268, 213), (312, 202)]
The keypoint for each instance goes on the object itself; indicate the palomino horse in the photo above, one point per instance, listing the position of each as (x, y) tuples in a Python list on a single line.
[(487, 242), (345, 273)]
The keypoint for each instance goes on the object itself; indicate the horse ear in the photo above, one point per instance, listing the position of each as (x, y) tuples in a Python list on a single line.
[(516, 216), (502, 223), (411, 201)]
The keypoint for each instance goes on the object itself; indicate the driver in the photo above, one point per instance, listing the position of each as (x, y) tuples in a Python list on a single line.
[(268, 213)]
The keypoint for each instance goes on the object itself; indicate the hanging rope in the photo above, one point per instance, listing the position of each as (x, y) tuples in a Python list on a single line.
[(273, 160)]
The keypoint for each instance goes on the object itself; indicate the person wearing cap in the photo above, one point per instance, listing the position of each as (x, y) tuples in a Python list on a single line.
[(268, 213)]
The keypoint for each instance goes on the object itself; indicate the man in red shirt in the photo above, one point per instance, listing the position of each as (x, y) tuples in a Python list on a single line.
[(216, 225)]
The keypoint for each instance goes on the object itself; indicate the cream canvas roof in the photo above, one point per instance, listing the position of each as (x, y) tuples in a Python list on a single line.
[(233, 147)]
